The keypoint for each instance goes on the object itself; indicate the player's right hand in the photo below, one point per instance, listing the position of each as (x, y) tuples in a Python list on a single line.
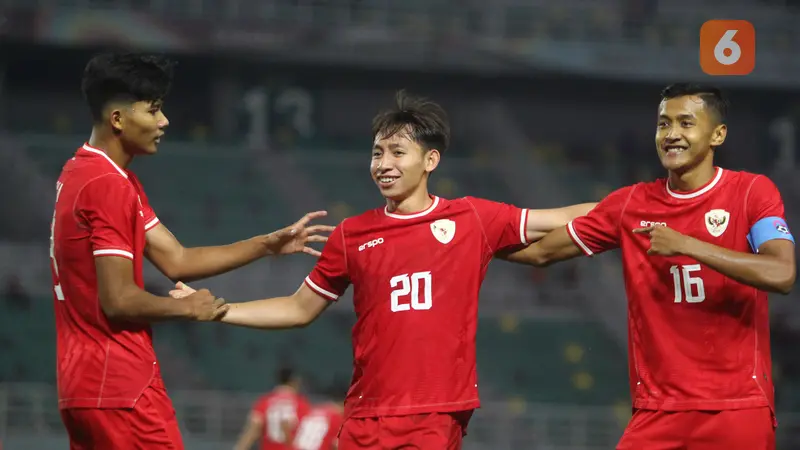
[(204, 305)]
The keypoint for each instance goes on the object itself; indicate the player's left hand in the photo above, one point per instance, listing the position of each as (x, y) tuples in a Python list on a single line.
[(664, 241), (296, 237)]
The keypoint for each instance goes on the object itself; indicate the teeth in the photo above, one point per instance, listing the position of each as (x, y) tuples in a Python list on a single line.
[(386, 179)]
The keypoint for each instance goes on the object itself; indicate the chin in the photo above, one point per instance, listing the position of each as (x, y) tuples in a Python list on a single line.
[(676, 165)]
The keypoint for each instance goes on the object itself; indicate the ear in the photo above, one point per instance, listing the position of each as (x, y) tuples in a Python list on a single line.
[(116, 119), (432, 158), (719, 134)]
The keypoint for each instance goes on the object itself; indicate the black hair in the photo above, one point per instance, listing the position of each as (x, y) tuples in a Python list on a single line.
[(712, 97), (426, 121), (286, 375), (125, 77)]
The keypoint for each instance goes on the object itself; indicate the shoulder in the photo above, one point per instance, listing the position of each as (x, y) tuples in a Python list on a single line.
[(624, 195), (106, 184), (361, 221)]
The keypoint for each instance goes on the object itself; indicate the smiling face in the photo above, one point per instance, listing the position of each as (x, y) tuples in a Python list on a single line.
[(687, 133), (400, 166)]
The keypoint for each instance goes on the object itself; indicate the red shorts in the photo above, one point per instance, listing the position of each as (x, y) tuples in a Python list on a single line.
[(741, 429), (431, 431), (151, 424)]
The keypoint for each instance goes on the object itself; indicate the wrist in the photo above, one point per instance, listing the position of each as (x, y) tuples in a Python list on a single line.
[(689, 246), (184, 308), (266, 243)]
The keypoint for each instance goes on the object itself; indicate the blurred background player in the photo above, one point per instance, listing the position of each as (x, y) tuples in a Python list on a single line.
[(416, 265), (111, 394), (275, 416), (319, 428), (701, 249)]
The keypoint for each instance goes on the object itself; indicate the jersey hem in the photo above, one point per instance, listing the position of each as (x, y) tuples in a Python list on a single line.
[(96, 403), (380, 411), (702, 405)]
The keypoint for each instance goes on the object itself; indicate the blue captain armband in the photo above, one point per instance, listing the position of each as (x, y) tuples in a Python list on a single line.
[(767, 229)]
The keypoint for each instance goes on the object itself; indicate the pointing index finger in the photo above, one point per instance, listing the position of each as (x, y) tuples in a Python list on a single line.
[(643, 230)]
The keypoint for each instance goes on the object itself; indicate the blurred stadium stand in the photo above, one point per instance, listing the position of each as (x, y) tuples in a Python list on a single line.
[(552, 103)]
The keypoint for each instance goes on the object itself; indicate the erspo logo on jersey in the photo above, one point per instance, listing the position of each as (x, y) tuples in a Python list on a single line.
[(727, 47), (370, 244)]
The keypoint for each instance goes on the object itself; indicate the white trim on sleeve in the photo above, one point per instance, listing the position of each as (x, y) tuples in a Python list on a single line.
[(330, 295), (151, 224), (113, 252), (523, 226), (578, 240)]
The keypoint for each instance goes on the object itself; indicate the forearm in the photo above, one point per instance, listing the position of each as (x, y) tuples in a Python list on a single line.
[(764, 272), (270, 314), (554, 247), (542, 221), (204, 262), (137, 305)]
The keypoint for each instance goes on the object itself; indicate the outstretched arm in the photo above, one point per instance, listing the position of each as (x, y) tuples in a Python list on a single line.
[(542, 221), (554, 247), (180, 263), (294, 311)]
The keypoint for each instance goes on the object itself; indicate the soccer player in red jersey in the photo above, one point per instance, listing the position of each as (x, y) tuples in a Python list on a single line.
[(275, 416), (111, 395), (416, 266), (700, 251), (318, 430)]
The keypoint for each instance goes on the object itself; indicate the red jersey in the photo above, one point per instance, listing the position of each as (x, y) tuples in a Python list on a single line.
[(100, 210), (275, 409), (416, 280), (319, 429), (698, 340)]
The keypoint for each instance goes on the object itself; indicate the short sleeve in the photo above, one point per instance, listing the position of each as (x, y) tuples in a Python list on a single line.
[(259, 408), (150, 218), (108, 205), (763, 200), (329, 278), (599, 230), (765, 213), (504, 225)]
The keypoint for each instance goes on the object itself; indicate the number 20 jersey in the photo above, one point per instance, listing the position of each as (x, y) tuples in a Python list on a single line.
[(416, 280), (697, 340)]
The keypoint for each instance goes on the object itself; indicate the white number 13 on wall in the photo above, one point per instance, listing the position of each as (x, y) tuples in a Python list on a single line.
[(418, 281), (692, 287)]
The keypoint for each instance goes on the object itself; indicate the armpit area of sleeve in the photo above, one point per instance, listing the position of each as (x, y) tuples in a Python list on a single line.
[(575, 234), (321, 288)]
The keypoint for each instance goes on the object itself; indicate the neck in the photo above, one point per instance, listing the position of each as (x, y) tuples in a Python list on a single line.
[(287, 387), (105, 141), (692, 179), (414, 203)]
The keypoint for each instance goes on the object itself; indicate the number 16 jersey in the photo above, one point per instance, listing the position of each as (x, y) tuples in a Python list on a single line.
[(415, 280), (697, 340)]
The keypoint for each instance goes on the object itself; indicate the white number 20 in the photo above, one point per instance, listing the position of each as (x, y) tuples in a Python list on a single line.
[(692, 287), (411, 285)]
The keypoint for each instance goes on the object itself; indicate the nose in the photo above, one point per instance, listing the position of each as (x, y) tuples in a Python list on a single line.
[(673, 134), (383, 164), (163, 122)]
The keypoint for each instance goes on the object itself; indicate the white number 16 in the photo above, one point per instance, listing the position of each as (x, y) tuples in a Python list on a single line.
[(690, 284)]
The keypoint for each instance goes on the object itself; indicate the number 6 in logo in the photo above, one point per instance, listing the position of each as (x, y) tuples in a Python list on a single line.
[(727, 47)]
